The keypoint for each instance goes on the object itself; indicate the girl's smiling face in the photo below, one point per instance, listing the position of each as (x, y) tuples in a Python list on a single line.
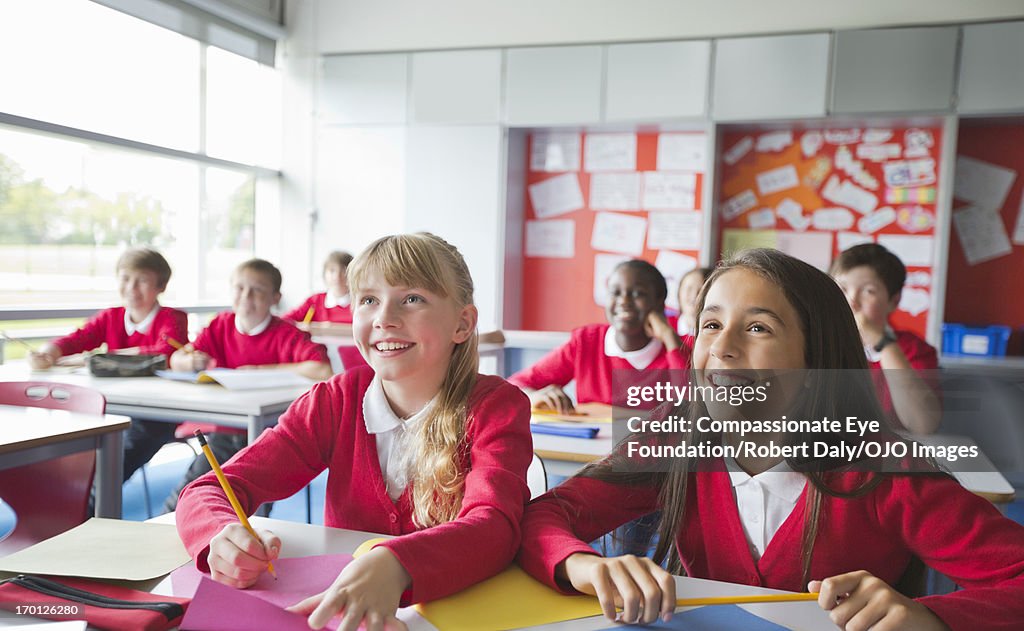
[(631, 297)]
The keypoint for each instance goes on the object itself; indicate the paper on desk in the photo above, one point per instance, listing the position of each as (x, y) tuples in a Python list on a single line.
[(217, 607), (236, 379), (669, 191), (715, 618), (510, 600), (63, 625), (615, 191), (554, 238), (674, 231), (555, 151), (982, 234), (615, 232), (609, 152), (104, 548), (556, 196), (982, 183), (682, 152)]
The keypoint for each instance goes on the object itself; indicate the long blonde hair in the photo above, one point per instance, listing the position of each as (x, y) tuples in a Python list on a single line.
[(427, 261)]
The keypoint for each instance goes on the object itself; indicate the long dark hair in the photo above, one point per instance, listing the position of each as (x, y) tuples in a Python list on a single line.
[(832, 343)]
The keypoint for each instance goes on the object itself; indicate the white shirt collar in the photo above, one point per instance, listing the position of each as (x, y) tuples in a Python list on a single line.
[(377, 412), (638, 359), (142, 327), (256, 330), (780, 480), (331, 301)]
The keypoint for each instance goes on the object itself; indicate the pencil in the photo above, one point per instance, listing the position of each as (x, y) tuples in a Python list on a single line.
[(547, 412), (309, 315), (745, 600), (17, 341), (230, 493), (175, 344)]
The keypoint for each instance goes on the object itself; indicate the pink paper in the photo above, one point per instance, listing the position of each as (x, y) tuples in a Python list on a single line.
[(262, 605)]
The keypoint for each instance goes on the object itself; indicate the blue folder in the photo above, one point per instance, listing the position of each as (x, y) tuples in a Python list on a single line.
[(572, 431)]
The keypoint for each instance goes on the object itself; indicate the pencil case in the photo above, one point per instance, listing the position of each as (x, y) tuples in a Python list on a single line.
[(114, 365), (102, 606), (573, 431)]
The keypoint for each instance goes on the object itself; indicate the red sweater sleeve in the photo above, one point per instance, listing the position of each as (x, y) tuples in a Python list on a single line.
[(964, 537), (559, 523), (485, 536), (557, 367), (298, 314), (92, 334), (299, 443), (169, 323)]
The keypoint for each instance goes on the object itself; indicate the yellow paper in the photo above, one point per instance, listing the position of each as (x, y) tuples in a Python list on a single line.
[(510, 600), (735, 240)]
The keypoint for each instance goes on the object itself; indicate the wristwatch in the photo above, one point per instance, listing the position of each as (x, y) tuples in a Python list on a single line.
[(888, 337)]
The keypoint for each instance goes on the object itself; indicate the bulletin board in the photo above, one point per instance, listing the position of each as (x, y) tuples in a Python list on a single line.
[(596, 199), (986, 246), (815, 192)]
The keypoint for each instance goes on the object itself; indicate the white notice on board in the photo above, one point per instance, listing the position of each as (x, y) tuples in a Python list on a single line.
[(556, 196), (682, 152), (674, 231), (555, 151), (814, 248), (982, 183), (615, 191), (673, 266), (609, 152), (912, 250), (778, 179), (669, 191), (738, 204), (848, 194), (614, 232), (603, 266), (553, 239), (846, 240), (982, 234)]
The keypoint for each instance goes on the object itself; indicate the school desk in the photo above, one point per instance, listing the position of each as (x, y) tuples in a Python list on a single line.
[(30, 435)]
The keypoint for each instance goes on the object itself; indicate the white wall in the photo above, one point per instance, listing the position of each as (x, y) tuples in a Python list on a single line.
[(346, 26)]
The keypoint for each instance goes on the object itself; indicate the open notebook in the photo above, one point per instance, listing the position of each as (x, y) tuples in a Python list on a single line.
[(239, 379)]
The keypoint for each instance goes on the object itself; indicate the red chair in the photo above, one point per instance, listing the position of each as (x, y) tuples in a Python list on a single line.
[(51, 496)]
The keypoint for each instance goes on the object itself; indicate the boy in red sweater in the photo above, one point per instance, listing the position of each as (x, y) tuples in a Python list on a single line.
[(248, 337), (142, 323)]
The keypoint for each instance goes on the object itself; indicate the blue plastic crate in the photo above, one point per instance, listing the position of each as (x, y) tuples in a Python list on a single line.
[(975, 341)]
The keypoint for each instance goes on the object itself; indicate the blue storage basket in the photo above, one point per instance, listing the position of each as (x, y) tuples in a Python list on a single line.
[(975, 341)]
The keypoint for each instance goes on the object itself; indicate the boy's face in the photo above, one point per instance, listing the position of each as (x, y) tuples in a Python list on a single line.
[(139, 289), (336, 279), (867, 294), (252, 296)]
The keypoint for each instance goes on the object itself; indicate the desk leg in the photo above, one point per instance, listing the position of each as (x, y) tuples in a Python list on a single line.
[(109, 471)]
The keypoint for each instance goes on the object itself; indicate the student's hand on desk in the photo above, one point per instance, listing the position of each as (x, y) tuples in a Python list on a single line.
[(858, 601), (368, 591), (236, 559), (638, 585), (40, 361), (551, 398)]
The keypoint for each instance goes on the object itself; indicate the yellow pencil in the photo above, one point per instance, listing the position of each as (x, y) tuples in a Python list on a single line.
[(175, 344), (230, 493), (548, 412), (309, 315), (745, 600)]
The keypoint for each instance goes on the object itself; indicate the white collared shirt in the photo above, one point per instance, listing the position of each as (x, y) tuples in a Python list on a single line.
[(638, 359), (394, 448), (331, 301), (764, 501), (256, 330), (142, 327)]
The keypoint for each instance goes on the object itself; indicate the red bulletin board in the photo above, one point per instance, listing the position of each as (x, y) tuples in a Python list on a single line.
[(984, 293), (814, 192), (558, 291)]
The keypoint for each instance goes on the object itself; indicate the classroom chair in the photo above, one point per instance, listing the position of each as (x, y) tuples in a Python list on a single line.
[(51, 496)]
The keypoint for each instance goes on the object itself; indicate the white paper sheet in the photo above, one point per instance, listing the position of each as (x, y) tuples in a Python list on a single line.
[(682, 152), (915, 218), (669, 191), (673, 266), (848, 194), (774, 141), (982, 183), (876, 136), (915, 300), (614, 232), (778, 179), (556, 196), (919, 278), (912, 250), (814, 248), (917, 143), (982, 234), (903, 173), (736, 152), (609, 152), (842, 136), (832, 219), (762, 219), (877, 220), (879, 153), (615, 191), (810, 143), (555, 151), (554, 238), (846, 240), (738, 204), (674, 231), (793, 213), (604, 264), (1018, 230)]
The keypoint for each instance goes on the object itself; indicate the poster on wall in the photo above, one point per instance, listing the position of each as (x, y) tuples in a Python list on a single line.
[(815, 192)]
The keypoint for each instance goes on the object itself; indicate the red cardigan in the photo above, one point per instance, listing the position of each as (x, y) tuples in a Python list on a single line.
[(320, 312), (931, 517), (107, 326), (280, 343), (324, 429), (582, 358)]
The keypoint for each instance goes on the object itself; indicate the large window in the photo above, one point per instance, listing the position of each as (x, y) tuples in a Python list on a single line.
[(115, 132)]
